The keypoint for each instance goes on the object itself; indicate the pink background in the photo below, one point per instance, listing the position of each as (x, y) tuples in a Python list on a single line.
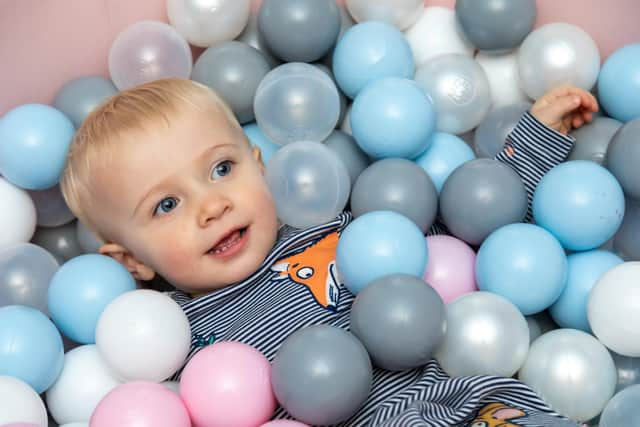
[(45, 43)]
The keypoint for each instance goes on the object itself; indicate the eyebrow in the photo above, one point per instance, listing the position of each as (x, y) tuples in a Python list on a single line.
[(198, 159)]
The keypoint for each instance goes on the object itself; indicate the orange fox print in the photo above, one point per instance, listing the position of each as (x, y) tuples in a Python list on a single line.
[(497, 415), (315, 269)]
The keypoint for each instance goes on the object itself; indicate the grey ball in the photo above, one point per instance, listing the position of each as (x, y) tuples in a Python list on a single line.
[(623, 158), (496, 25), (60, 241), (626, 242), (398, 185), (491, 134), (81, 96), (343, 97), (349, 152), (299, 30), (321, 375), (481, 196), (251, 36), (592, 139), (400, 319), (234, 70)]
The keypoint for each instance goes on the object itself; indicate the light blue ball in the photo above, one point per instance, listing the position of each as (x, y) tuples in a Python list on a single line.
[(377, 244), (619, 83), (393, 117), (523, 263), (258, 139), (81, 289), (445, 153), (370, 51), (30, 347), (584, 270), (580, 203), (34, 140)]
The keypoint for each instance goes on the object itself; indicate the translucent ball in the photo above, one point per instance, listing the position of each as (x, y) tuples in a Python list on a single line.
[(309, 183)]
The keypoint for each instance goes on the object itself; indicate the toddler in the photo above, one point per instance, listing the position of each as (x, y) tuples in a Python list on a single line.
[(164, 174)]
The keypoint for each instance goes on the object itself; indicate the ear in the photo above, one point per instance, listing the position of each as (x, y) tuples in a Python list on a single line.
[(138, 270), (507, 414), (257, 154)]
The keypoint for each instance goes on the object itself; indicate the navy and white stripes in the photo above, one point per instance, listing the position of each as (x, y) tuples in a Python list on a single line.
[(266, 308)]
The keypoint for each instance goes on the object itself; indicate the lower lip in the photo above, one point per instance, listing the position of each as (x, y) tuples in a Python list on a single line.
[(237, 247)]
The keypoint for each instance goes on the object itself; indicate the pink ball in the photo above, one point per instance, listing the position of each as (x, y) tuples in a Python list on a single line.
[(228, 383), (451, 269), (140, 404), (284, 423)]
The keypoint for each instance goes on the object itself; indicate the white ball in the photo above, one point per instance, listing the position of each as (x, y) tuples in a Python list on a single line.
[(20, 403), (557, 54), (436, 33), (399, 13), (504, 80), (207, 22), (143, 335), (18, 218), (84, 381), (613, 309)]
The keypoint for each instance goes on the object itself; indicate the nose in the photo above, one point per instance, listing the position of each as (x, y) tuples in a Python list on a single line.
[(212, 207)]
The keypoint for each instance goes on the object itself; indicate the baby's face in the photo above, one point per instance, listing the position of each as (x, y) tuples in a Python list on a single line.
[(190, 201)]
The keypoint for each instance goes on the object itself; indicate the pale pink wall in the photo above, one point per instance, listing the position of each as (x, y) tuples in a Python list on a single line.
[(44, 43)]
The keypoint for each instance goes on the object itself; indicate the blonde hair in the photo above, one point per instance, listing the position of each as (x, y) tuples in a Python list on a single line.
[(135, 109)]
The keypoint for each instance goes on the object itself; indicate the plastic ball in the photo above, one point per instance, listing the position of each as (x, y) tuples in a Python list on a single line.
[(283, 423), (25, 273), (228, 383), (20, 403), (30, 347), (496, 25), (626, 242), (81, 289), (377, 244), (258, 139), (436, 33), (459, 89), (393, 117), (368, 52), (580, 203), (619, 83), (207, 22), (233, 70), (584, 270), (503, 77), (623, 154), (309, 183), (445, 153), (622, 410), (78, 97), (89, 242), (143, 334), (401, 14), (555, 54), (613, 308), (146, 51), (297, 102), (60, 241), (479, 197), (18, 221), (252, 36), (34, 140), (397, 185), (400, 320), (84, 381), (486, 335), (451, 269), (523, 263), (492, 132), (327, 395), (349, 152), (540, 324), (592, 139), (571, 371), (299, 30), (628, 370), (140, 404), (51, 208)]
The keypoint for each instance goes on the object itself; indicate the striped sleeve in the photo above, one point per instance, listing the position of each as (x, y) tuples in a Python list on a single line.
[(533, 149)]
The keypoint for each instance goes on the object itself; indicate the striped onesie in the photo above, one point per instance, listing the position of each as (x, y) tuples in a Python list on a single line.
[(295, 287)]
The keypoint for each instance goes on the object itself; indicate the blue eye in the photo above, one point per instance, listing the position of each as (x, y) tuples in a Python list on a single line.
[(222, 169), (166, 205)]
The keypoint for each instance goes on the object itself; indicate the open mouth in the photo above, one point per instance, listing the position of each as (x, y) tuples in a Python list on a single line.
[(229, 244)]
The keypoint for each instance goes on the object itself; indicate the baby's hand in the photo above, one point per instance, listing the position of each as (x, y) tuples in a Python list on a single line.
[(565, 108)]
